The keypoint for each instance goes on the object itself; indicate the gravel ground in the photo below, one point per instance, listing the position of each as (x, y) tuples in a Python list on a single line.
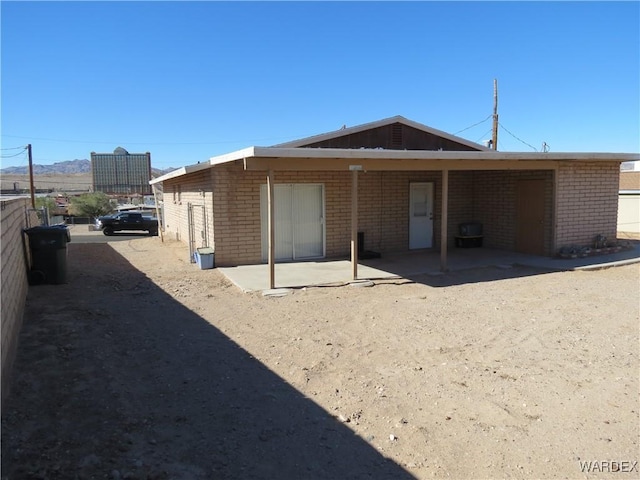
[(143, 366)]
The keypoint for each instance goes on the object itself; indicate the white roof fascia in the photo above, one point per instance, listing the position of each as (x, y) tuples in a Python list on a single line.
[(363, 153), (275, 152), (377, 124), (233, 156), (180, 172), (225, 158)]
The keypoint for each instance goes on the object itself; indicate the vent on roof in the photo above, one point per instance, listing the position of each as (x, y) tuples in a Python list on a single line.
[(396, 135)]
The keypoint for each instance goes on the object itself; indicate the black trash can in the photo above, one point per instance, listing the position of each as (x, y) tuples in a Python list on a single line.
[(48, 246)]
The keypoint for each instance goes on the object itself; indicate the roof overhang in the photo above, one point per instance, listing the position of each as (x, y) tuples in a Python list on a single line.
[(180, 172), (341, 159), (330, 159)]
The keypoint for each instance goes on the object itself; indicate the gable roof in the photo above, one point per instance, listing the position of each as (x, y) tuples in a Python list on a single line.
[(398, 119), (317, 153)]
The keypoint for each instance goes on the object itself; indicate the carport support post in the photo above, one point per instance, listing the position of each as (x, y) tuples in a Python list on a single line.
[(354, 223), (443, 221), (270, 223)]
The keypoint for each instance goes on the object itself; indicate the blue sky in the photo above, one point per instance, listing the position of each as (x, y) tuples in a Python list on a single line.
[(190, 80)]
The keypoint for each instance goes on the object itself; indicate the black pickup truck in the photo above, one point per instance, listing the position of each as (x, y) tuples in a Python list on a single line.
[(126, 221)]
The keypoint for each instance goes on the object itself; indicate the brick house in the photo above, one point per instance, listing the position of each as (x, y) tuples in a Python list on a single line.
[(401, 185)]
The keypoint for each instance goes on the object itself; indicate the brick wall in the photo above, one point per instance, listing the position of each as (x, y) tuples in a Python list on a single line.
[(488, 197), (194, 189), (237, 211), (587, 202), (383, 201), (494, 205), (14, 285), (383, 207), (461, 203), (236, 200)]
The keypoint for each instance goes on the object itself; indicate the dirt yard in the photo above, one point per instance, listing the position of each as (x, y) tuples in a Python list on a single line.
[(145, 367)]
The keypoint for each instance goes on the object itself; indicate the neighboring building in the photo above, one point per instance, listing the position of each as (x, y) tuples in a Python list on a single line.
[(629, 203), (414, 186), (121, 172), (630, 167)]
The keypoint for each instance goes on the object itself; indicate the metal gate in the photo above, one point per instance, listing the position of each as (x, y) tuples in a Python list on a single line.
[(197, 226), (37, 216)]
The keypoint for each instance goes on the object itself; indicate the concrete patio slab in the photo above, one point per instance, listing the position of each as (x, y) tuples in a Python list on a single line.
[(251, 278)]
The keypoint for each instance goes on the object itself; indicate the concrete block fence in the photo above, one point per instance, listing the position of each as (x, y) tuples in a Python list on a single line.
[(15, 216)]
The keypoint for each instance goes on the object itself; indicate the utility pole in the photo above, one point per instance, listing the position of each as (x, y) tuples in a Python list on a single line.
[(494, 136), (33, 191)]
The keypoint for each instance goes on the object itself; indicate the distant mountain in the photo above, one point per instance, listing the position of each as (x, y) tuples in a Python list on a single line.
[(156, 172), (60, 168), (67, 168)]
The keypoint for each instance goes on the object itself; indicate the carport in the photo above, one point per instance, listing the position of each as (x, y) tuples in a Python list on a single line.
[(273, 161)]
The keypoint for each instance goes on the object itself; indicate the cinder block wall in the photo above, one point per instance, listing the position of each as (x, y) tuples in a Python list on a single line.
[(494, 205), (383, 205), (236, 197), (236, 200), (14, 285), (461, 203), (196, 189), (587, 202)]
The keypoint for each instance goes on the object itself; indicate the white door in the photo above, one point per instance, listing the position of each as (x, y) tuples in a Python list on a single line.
[(420, 215), (299, 221)]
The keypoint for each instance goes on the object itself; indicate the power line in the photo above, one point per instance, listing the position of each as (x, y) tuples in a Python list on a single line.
[(124, 142), (14, 155), (519, 139), (14, 148), (474, 125), (111, 143), (484, 134)]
